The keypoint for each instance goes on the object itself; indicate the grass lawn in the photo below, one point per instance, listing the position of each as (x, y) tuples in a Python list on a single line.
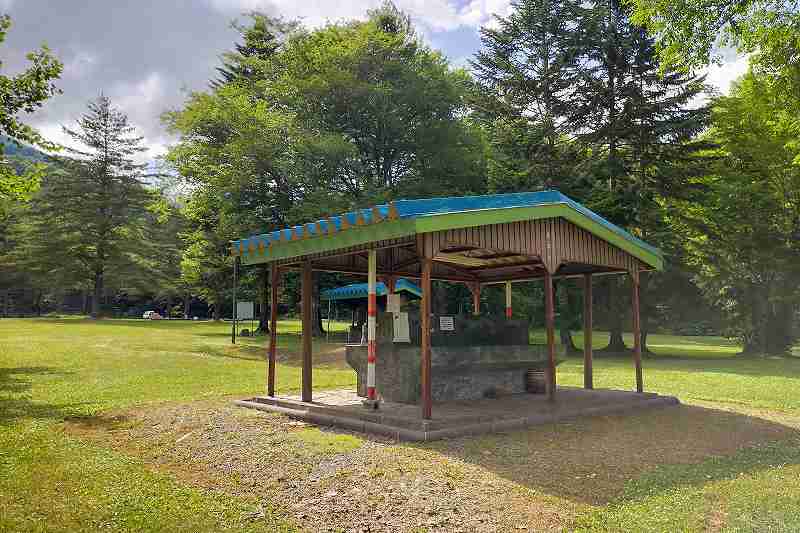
[(125, 425)]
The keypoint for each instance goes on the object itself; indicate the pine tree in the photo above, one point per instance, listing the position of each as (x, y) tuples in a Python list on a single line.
[(577, 102), (638, 123), (91, 217), (528, 70), (261, 40)]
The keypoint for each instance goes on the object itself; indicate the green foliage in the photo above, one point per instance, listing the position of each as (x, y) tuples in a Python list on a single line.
[(692, 33), (741, 235), (281, 143), (262, 39), (573, 97), (528, 70), (23, 93), (92, 223)]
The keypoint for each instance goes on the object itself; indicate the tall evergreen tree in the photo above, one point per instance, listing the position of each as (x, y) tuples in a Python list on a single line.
[(261, 39), (578, 102), (639, 123), (91, 215), (528, 69)]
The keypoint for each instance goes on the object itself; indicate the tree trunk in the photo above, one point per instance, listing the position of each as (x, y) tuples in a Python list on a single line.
[(86, 302), (316, 311), (643, 337), (216, 308), (616, 344), (561, 289), (98, 294), (187, 304), (644, 311), (567, 342)]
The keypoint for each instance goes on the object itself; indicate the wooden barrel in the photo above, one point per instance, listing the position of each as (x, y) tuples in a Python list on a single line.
[(535, 381)]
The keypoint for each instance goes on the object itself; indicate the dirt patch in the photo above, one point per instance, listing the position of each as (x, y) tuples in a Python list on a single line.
[(590, 460), (327, 480)]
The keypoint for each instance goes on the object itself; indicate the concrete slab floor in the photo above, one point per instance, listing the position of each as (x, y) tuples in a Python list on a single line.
[(343, 408)]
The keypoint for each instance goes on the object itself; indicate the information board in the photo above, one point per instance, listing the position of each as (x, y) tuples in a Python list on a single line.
[(245, 311), (447, 323)]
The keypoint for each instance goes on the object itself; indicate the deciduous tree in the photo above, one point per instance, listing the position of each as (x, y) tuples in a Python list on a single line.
[(742, 235), (23, 93)]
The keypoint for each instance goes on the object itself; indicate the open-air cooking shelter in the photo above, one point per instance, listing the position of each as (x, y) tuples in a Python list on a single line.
[(476, 240)]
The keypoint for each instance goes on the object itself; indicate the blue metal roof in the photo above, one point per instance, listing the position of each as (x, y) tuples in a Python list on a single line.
[(461, 204), (425, 209), (358, 291)]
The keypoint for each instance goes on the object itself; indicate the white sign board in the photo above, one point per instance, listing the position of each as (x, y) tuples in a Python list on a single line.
[(392, 303), (401, 332), (447, 323), (245, 311)]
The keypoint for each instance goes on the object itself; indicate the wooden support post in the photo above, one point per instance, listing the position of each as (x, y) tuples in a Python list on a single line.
[(273, 328), (476, 298), (372, 313), (305, 303), (425, 344), (588, 378), (637, 331), (235, 284), (391, 284), (550, 324), (509, 312)]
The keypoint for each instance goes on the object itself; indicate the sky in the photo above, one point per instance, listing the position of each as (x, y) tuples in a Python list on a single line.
[(146, 55)]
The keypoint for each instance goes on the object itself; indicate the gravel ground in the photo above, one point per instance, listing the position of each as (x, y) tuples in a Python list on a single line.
[(534, 480)]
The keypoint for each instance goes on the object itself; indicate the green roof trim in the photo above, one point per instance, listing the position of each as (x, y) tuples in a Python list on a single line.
[(409, 217)]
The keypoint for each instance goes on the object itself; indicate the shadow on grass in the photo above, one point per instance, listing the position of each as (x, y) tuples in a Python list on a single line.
[(15, 405), (130, 322), (239, 351), (783, 367), (289, 354), (603, 459)]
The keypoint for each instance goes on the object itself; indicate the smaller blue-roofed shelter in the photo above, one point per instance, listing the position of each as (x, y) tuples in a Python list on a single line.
[(360, 291), (476, 240)]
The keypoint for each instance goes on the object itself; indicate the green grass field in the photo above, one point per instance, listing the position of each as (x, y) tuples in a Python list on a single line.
[(53, 371)]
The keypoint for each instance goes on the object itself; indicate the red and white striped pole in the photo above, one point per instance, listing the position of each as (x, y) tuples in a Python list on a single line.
[(372, 312), (508, 300)]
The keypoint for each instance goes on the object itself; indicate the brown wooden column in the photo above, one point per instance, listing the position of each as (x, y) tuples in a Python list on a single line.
[(637, 331), (425, 338), (305, 303), (588, 378), (391, 284), (475, 289), (273, 328), (550, 324)]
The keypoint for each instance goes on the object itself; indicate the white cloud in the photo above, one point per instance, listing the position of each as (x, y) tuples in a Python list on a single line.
[(138, 101), (433, 15), (81, 64), (55, 133), (721, 76)]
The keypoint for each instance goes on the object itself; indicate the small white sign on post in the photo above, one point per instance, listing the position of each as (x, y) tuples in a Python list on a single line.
[(401, 329), (447, 323), (392, 303), (245, 311)]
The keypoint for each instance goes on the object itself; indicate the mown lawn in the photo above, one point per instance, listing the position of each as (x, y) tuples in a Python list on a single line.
[(56, 373), (56, 370)]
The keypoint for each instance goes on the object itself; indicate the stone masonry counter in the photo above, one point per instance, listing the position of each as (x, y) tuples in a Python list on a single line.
[(463, 365)]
